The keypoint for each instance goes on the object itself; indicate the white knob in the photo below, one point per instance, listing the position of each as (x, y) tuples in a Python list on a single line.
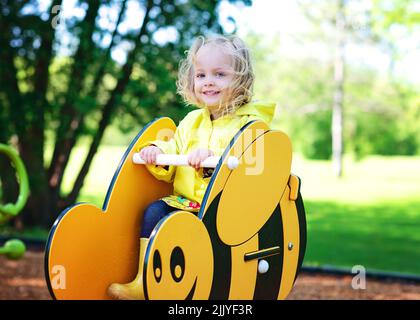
[(232, 162), (263, 266)]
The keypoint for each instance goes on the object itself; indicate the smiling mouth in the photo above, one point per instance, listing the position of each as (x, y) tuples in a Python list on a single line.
[(211, 93), (192, 291)]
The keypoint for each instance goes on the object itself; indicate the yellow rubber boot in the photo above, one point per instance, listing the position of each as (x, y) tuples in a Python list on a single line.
[(134, 289)]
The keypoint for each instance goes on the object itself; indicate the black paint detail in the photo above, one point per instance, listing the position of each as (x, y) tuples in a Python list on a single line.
[(221, 254), (177, 259), (157, 265), (264, 253), (302, 231), (192, 291), (267, 285)]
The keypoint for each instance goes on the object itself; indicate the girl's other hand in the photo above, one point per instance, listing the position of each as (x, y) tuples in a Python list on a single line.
[(150, 153), (197, 156)]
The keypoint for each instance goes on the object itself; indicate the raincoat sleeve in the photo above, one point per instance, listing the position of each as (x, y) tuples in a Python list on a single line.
[(172, 146)]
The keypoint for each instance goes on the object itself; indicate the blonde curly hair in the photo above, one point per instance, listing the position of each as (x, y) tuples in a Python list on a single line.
[(241, 87)]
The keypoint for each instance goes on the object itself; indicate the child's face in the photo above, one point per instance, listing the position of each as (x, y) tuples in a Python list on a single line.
[(213, 74)]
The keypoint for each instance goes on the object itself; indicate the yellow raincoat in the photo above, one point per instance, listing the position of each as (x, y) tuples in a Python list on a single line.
[(197, 130)]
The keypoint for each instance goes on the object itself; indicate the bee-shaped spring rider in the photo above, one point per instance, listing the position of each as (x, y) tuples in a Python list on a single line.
[(247, 241)]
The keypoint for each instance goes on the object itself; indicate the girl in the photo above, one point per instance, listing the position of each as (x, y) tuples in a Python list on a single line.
[(217, 77)]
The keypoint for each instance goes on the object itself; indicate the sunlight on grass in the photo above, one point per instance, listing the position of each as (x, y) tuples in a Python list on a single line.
[(371, 180), (381, 236)]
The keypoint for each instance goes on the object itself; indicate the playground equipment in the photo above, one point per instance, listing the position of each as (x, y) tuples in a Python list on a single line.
[(14, 248), (247, 241)]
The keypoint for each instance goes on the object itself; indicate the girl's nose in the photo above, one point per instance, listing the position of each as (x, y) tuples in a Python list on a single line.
[(209, 82)]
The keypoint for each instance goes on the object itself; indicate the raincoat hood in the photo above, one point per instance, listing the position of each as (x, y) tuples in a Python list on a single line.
[(258, 109)]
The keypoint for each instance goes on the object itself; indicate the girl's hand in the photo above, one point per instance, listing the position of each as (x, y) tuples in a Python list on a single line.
[(149, 154), (197, 156)]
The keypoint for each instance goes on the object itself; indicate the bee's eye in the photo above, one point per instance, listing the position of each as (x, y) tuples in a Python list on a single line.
[(157, 266), (177, 264)]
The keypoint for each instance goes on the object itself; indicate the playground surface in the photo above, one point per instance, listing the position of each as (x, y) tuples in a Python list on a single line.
[(24, 280)]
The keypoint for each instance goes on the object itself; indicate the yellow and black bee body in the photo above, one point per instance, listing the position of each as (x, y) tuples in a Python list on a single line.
[(270, 236), (271, 248), (247, 242), (246, 223)]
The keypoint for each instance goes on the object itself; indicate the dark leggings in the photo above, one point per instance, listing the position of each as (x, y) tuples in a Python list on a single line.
[(152, 215)]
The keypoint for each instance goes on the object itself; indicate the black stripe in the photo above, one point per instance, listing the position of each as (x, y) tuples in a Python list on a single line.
[(302, 231), (221, 254), (267, 285)]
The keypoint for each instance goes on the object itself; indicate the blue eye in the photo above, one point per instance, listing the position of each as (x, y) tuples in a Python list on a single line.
[(220, 74), (199, 75)]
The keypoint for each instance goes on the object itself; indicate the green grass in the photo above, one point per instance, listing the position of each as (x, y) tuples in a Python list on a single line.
[(373, 180), (383, 236), (369, 217)]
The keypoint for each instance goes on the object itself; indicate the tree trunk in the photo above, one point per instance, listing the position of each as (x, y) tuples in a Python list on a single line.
[(38, 208), (71, 198), (70, 117), (108, 110), (337, 114)]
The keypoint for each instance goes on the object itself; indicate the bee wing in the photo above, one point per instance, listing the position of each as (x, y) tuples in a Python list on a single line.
[(252, 190)]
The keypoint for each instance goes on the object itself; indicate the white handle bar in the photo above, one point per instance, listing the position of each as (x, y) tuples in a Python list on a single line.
[(182, 160)]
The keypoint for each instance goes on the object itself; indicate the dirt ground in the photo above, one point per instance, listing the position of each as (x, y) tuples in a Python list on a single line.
[(24, 280)]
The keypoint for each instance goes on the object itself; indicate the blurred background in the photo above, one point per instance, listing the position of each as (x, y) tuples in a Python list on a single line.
[(79, 79)]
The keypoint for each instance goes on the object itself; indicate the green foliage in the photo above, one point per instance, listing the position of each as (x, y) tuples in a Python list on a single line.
[(60, 85), (381, 112), (315, 134), (380, 134), (395, 12)]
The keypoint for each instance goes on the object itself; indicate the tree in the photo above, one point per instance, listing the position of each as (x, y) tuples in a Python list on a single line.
[(333, 17), (356, 22), (79, 95), (296, 69), (337, 108)]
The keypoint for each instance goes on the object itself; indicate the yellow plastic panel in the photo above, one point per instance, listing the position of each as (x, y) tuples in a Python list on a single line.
[(179, 259), (90, 248), (294, 187), (252, 131), (254, 188)]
